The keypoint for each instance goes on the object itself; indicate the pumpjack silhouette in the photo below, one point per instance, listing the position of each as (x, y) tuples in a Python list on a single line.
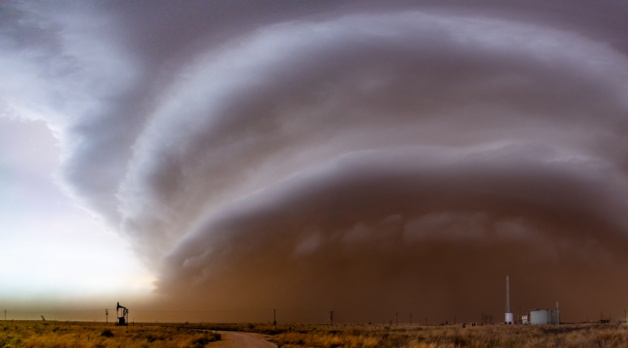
[(123, 315)]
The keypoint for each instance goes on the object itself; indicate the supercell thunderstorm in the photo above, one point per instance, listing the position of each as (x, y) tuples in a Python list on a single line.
[(361, 162)]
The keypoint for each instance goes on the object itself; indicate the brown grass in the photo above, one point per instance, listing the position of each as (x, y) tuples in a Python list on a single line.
[(35, 334), (585, 335)]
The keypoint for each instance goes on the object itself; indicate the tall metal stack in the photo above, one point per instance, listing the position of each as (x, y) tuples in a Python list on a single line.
[(508, 318)]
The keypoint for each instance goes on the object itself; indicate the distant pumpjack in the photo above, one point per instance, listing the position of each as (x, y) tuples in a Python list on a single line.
[(123, 315)]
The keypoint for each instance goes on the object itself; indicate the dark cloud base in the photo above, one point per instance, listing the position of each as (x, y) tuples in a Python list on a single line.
[(383, 243)]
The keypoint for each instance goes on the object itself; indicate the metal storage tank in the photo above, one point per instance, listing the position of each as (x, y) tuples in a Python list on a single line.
[(543, 317), (540, 317)]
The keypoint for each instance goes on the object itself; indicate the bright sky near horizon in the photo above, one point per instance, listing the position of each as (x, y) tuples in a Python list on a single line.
[(226, 158), (53, 248)]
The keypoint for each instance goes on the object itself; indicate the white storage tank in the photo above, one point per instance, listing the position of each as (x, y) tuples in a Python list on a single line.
[(543, 317)]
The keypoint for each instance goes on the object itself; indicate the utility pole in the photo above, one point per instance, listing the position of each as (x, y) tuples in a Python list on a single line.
[(331, 318), (106, 316)]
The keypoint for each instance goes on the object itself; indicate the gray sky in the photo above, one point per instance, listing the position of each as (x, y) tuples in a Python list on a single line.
[(362, 157)]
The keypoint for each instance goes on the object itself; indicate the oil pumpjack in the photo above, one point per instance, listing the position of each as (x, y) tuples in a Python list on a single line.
[(123, 315)]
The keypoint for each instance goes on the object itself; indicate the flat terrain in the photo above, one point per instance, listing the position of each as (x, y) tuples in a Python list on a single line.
[(234, 339), (576, 335), (53, 334)]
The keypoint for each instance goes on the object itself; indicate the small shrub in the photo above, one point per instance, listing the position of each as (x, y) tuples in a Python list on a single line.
[(200, 342), (107, 333)]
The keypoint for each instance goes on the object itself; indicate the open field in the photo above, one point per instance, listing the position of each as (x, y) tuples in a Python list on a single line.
[(583, 335), (99, 335), (51, 334)]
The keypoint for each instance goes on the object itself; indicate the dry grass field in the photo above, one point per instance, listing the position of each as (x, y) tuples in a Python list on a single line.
[(583, 335), (50, 334)]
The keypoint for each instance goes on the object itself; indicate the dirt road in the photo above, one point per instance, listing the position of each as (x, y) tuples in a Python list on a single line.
[(232, 339)]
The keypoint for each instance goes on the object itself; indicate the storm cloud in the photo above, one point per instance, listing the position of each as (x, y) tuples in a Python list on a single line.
[(347, 156)]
